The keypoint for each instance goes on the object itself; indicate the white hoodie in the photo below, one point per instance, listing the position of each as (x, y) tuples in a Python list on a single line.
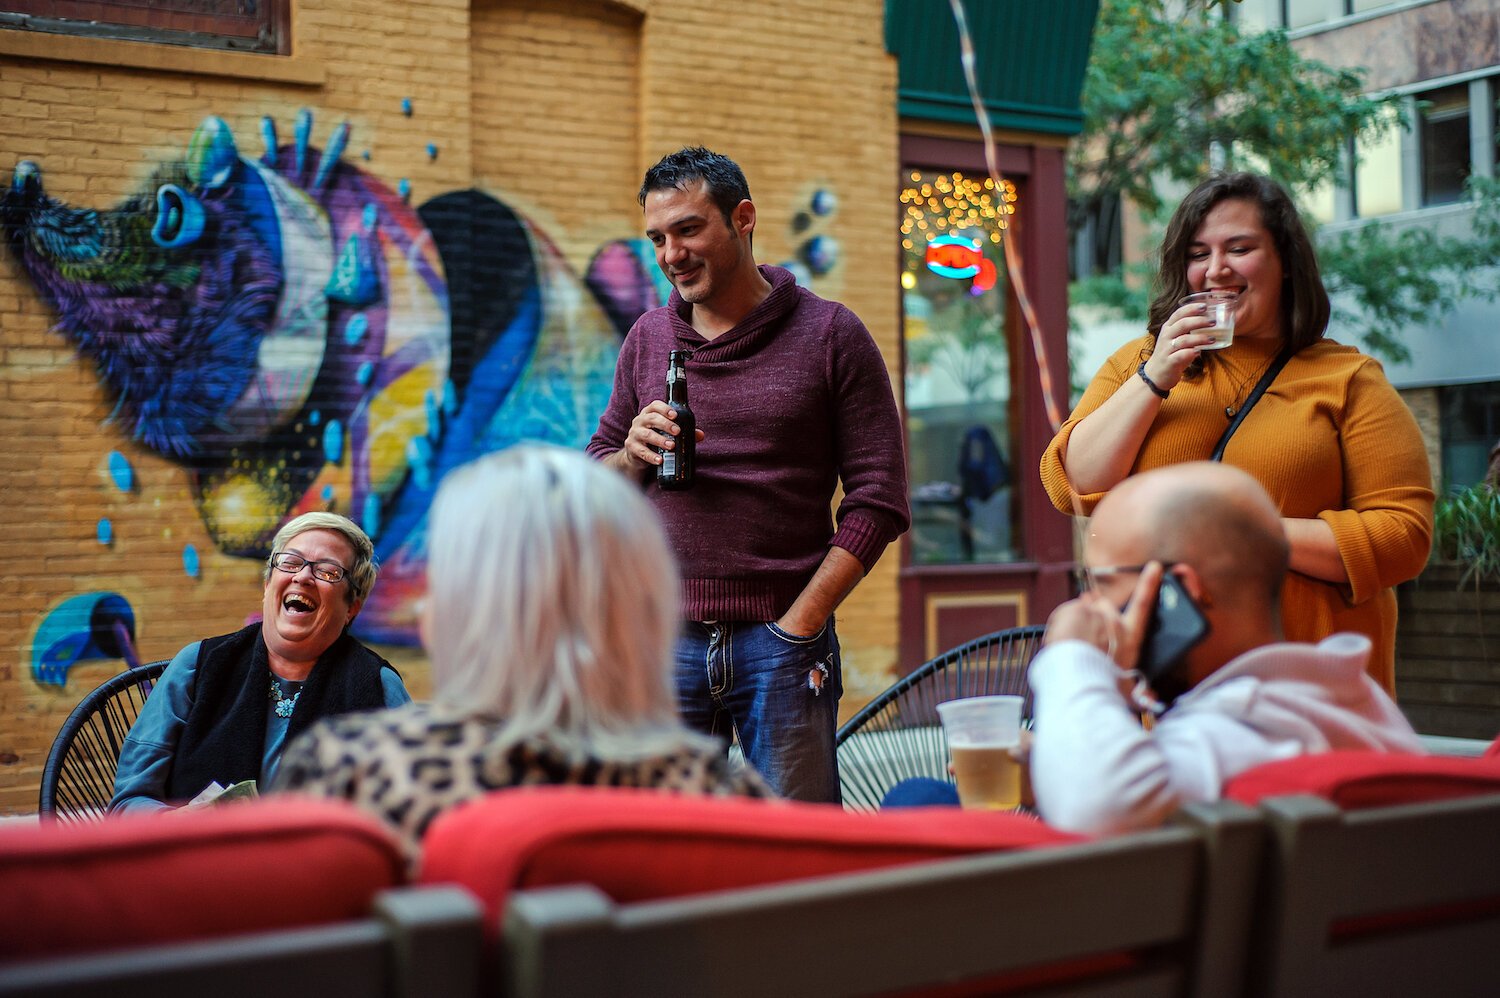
[(1095, 770)]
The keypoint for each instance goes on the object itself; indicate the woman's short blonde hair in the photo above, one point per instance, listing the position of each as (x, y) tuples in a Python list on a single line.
[(361, 573), (553, 603)]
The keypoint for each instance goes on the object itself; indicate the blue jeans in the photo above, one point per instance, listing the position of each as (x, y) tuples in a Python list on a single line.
[(778, 693)]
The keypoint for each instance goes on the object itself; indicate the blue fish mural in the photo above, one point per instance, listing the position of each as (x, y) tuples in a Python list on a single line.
[(296, 336)]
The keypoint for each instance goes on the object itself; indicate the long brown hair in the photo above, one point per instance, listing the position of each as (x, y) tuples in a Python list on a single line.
[(1304, 300)]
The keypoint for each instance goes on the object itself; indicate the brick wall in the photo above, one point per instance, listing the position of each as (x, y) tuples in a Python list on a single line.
[(552, 109)]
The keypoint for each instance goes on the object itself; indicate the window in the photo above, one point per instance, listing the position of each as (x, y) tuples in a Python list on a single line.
[(1301, 13), (1444, 136), (243, 25), (957, 372), (1252, 16), (1470, 427), (1377, 174), (1098, 239)]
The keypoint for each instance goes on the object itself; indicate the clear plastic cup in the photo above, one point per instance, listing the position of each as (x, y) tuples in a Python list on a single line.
[(1218, 306), (981, 732)]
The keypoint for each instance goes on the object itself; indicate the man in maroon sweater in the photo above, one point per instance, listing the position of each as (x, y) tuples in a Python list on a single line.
[(791, 397)]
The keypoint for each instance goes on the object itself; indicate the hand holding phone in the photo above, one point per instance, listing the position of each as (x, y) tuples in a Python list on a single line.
[(1176, 626)]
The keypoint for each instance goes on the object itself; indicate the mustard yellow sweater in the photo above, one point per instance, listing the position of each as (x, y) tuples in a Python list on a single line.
[(1330, 439)]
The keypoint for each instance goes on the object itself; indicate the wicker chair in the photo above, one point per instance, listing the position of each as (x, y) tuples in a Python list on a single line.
[(897, 735), (79, 777)]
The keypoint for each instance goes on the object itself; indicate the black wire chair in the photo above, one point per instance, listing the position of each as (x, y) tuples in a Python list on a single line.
[(898, 735), (79, 777)]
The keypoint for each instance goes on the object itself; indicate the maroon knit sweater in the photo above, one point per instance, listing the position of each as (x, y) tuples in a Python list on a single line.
[(790, 401)]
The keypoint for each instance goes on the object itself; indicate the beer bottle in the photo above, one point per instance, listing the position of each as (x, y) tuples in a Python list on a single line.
[(677, 465)]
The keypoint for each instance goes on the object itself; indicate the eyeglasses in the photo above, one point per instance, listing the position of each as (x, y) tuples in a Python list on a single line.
[(291, 563), (1086, 578)]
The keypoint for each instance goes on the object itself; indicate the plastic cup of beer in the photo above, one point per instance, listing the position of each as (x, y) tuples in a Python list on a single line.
[(981, 733), (1219, 307)]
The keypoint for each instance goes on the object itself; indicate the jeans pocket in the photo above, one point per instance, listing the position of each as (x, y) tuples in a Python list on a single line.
[(793, 639)]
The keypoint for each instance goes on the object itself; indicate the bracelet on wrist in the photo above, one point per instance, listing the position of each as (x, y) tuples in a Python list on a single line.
[(1155, 389)]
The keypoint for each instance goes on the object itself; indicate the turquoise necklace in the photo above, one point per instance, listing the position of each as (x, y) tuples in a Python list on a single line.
[(284, 704)]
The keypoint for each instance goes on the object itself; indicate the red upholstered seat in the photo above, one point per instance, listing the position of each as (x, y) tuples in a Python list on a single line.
[(1357, 780), (280, 862), (637, 845)]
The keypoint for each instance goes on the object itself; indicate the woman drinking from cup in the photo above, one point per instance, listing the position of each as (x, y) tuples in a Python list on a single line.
[(1316, 422)]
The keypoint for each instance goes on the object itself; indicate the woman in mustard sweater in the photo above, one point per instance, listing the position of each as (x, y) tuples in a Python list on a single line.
[(1330, 439)]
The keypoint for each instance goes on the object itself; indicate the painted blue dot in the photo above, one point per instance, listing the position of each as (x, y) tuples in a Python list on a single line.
[(419, 459), (406, 106), (824, 202), (363, 375), (370, 216), (432, 150), (315, 417), (190, 563), (403, 187), (355, 329), (333, 441), (106, 531), (120, 471), (365, 155), (371, 519)]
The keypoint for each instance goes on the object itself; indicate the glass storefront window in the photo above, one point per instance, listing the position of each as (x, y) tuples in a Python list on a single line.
[(957, 375), (1445, 143)]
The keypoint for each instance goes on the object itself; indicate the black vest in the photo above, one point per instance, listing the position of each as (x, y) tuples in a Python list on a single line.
[(225, 736)]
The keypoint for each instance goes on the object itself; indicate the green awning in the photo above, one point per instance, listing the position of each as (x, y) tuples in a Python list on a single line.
[(1030, 58)]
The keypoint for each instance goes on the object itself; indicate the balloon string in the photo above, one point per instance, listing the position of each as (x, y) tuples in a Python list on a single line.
[(1012, 254)]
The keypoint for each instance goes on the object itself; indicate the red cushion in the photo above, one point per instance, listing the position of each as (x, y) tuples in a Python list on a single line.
[(1355, 780), (642, 844), (280, 862)]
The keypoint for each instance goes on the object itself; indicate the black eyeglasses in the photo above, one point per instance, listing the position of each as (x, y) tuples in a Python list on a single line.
[(291, 563), (1089, 578)]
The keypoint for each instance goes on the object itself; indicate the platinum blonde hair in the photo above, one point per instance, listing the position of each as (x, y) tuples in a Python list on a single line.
[(361, 573), (553, 603)]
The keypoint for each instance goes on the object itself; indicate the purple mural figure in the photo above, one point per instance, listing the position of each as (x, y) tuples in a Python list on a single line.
[(296, 336)]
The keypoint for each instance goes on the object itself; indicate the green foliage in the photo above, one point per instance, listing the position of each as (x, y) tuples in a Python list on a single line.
[(1466, 530), (1400, 278), (1124, 294), (1165, 83)]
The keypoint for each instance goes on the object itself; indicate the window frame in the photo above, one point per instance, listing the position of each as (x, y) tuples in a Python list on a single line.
[(207, 24)]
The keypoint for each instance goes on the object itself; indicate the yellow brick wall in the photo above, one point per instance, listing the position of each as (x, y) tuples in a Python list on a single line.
[(554, 107)]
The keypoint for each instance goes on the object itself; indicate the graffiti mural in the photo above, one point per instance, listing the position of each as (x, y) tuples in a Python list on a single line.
[(295, 335)]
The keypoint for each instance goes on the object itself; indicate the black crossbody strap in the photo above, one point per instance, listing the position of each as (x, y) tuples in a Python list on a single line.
[(1260, 389)]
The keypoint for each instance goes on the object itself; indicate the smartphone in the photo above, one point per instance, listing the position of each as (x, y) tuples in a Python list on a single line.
[(1176, 626)]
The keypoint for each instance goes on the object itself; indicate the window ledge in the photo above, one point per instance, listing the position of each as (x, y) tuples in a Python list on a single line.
[(1347, 20), (1428, 215), (296, 69)]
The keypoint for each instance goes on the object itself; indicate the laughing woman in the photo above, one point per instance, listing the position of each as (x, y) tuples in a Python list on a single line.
[(1331, 441), (225, 706)]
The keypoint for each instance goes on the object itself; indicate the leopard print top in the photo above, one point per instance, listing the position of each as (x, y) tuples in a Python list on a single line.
[(408, 764)]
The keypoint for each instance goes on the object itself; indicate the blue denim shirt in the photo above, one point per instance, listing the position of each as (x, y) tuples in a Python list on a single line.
[(146, 756)]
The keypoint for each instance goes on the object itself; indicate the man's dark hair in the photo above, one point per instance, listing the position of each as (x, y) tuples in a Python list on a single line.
[(685, 167)]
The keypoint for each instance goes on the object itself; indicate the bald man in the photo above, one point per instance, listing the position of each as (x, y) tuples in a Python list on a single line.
[(1251, 697)]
